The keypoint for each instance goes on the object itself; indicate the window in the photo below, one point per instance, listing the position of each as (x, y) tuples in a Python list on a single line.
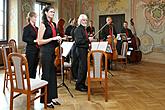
[(38, 9), (3, 20)]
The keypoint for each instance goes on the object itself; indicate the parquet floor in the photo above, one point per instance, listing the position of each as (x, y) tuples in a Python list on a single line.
[(139, 87)]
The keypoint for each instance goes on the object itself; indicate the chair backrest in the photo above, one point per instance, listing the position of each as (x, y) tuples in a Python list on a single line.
[(21, 80), (97, 63), (13, 45), (5, 51), (124, 49)]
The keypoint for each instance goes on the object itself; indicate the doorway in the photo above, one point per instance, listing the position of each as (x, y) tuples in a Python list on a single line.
[(118, 20)]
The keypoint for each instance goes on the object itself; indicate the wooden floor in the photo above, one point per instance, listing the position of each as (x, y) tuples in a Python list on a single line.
[(139, 87)]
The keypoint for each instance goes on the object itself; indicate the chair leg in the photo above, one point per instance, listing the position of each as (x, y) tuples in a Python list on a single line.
[(11, 100), (106, 90), (4, 85), (28, 101), (7, 78), (45, 98), (115, 62), (89, 91)]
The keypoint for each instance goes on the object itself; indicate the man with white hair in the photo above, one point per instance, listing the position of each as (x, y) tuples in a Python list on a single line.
[(82, 45)]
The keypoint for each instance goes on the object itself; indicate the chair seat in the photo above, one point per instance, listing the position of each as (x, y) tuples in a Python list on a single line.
[(120, 56), (97, 75), (67, 65), (34, 83)]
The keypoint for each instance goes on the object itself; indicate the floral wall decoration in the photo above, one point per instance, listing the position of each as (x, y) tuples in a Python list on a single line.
[(88, 8), (68, 9), (155, 14), (112, 6), (26, 7)]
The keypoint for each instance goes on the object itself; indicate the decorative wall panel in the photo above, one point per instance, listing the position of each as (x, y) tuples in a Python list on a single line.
[(150, 25)]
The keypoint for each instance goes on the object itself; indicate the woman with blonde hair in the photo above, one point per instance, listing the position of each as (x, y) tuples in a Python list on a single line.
[(32, 49)]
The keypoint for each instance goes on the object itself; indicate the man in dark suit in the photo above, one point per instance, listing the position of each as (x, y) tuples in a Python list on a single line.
[(125, 33), (109, 29), (107, 33), (82, 45), (126, 30)]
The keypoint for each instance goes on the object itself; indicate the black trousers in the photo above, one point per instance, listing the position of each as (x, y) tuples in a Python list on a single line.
[(49, 74), (82, 65), (33, 59), (74, 62)]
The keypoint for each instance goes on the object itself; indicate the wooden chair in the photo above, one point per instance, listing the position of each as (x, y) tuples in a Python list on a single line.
[(13, 45), (22, 84), (95, 72), (5, 51), (122, 59)]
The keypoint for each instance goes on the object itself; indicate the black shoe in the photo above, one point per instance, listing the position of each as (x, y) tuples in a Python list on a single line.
[(82, 89), (56, 103), (50, 105)]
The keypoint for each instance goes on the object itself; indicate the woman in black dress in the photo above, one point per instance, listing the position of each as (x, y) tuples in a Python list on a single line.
[(48, 41), (32, 50)]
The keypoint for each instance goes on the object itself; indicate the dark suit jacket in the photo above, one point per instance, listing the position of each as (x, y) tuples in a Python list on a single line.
[(105, 32), (90, 31), (29, 35), (80, 37), (129, 32)]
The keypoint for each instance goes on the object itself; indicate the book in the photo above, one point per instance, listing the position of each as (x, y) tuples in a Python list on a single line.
[(66, 48), (99, 46)]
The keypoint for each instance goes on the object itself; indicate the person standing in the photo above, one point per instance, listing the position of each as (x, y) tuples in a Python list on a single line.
[(90, 29), (32, 49), (108, 30), (82, 45), (108, 34), (70, 29), (48, 41), (60, 27), (69, 32)]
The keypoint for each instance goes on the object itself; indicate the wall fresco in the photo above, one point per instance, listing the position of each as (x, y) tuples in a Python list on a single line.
[(150, 25), (154, 12)]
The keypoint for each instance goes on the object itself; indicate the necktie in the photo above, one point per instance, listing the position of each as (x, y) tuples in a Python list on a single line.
[(110, 32), (127, 32), (86, 34), (87, 38)]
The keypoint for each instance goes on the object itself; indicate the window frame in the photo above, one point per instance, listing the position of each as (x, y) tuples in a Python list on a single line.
[(5, 21), (41, 6)]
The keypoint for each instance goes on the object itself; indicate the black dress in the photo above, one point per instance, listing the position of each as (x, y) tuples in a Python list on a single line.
[(32, 49), (47, 61)]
